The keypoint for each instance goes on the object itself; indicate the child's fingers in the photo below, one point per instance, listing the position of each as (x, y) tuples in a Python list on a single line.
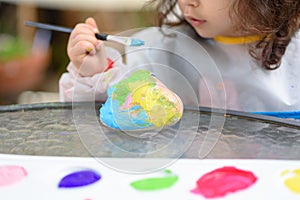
[(84, 47), (83, 28), (82, 42), (81, 49), (84, 38), (91, 21), (83, 32)]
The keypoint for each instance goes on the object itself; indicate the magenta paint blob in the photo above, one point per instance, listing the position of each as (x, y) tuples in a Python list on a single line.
[(79, 179), (222, 181), (11, 174)]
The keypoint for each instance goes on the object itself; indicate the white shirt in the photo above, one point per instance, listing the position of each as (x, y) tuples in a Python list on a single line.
[(201, 72)]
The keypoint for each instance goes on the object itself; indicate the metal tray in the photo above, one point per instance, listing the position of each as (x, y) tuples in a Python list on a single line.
[(52, 129)]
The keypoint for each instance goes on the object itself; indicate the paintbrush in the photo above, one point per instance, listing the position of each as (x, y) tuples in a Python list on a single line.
[(100, 36)]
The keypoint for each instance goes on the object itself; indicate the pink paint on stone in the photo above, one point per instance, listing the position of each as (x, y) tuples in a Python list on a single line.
[(11, 174), (222, 181)]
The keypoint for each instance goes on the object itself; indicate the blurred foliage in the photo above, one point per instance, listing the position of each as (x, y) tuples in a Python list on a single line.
[(12, 47)]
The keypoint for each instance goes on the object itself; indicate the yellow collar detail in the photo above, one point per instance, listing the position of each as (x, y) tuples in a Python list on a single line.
[(237, 40)]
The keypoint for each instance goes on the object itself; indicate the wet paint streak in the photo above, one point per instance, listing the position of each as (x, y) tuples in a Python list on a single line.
[(156, 183), (11, 174), (79, 179), (222, 181), (293, 182)]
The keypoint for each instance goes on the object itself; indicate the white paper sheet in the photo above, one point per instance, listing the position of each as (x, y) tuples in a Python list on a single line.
[(44, 173)]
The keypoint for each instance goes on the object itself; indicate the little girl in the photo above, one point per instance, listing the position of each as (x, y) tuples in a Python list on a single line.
[(251, 46)]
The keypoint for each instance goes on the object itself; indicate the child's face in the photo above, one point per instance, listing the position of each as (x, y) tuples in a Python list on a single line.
[(209, 18)]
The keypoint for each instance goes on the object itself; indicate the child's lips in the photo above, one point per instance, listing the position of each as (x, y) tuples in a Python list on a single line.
[(195, 22)]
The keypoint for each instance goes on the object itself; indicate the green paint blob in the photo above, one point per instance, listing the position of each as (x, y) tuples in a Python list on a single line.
[(157, 183)]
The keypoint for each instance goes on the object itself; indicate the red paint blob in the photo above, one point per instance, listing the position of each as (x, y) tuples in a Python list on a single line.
[(222, 181)]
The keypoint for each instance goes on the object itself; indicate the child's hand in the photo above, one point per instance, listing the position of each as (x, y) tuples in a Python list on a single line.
[(85, 51)]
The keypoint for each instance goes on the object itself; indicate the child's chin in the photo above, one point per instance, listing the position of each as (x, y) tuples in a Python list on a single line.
[(205, 34)]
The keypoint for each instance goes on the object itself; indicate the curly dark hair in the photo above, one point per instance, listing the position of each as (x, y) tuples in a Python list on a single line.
[(276, 20)]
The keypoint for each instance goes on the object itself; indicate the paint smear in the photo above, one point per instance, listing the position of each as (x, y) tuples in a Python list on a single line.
[(222, 181), (79, 179), (293, 182), (11, 174), (140, 101), (156, 183)]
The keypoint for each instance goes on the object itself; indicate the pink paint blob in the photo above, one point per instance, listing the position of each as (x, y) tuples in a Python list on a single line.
[(127, 104), (222, 181), (11, 174)]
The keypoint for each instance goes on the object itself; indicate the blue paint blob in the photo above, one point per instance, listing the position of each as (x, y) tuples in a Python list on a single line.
[(79, 179)]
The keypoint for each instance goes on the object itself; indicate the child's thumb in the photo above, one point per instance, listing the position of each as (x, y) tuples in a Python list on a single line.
[(91, 21)]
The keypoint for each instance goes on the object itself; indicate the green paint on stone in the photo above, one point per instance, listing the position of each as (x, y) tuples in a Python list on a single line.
[(126, 86), (157, 183)]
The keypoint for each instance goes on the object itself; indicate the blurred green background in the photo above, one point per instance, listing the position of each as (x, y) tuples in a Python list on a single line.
[(41, 85)]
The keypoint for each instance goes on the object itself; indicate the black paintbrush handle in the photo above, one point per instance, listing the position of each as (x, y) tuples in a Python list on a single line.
[(99, 36), (48, 27)]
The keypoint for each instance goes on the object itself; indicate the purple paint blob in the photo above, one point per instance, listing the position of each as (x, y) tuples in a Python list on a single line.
[(11, 174), (79, 179), (222, 181)]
